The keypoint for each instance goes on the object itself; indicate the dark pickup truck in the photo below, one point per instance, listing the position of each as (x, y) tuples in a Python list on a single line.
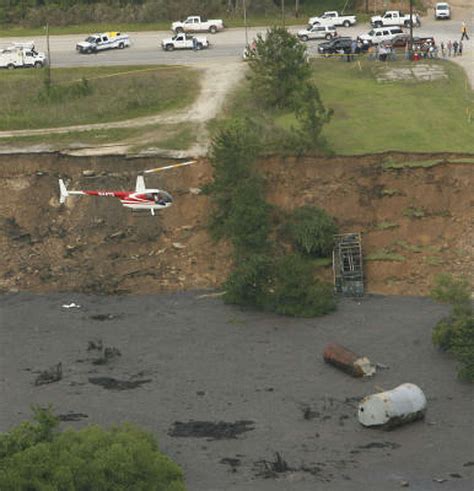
[(340, 45)]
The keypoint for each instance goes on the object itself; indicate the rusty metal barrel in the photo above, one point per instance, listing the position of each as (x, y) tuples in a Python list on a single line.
[(348, 361), (391, 408)]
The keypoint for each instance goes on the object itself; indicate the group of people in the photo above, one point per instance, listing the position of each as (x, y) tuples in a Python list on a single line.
[(451, 48)]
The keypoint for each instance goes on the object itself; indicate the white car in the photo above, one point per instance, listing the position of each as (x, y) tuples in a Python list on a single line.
[(317, 32), (380, 35), (442, 10), (184, 41), (103, 41)]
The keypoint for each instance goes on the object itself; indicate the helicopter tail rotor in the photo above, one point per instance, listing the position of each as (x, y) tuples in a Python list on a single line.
[(167, 167), (63, 192)]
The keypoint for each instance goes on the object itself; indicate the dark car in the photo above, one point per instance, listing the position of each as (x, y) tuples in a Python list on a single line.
[(340, 45), (402, 40)]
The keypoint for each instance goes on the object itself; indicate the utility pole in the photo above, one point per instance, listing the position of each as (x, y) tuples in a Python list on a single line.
[(297, 8), (244, 5), (410, 51), (283, 13), (48, 65)]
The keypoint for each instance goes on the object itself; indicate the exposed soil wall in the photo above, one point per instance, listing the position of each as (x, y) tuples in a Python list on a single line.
[(418, 221)]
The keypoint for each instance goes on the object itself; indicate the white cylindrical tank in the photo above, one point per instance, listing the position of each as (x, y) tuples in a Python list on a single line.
[(394, 407)]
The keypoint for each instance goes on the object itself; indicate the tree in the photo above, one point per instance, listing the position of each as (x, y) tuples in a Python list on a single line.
[(120, 459), (279, 68)]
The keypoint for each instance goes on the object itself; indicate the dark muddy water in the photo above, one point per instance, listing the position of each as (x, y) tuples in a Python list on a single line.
[(208, 366)]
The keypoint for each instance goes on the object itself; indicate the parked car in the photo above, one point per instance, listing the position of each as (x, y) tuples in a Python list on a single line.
[(332, 18), (317, 32), (380, 34), (185, 41), (395, 18), (402, 40), (103, 41), (442, 11), (340, 44), (195, 23)]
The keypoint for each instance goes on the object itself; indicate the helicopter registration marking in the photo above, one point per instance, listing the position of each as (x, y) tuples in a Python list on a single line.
[(106, 193)]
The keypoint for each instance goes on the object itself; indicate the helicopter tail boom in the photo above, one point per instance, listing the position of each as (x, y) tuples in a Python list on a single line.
[(63, 192)]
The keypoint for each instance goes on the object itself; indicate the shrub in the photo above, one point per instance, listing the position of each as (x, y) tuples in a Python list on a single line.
[(60, 93), (456, 332), (119, 459), (311, 230), (296, 292), (248, 285)]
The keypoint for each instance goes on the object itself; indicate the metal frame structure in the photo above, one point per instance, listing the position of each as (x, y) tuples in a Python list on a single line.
[(347, 264)]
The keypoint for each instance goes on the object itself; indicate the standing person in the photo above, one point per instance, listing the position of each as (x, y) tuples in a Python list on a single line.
[(460, 48), (195, 43), (450, 47), (455, 48), (353, 49), (464, 32), (443, 50)]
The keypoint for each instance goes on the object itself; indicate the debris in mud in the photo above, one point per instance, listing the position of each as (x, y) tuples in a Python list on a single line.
[(213, 431), (14, 231), (309, 413), (109, 354), (71, 305), (110, 383), (51, 375), (271, 469), (370, 445), (95, 345), (103, 317), (72, 416), (349, 362), (469, 464), (233, 463)]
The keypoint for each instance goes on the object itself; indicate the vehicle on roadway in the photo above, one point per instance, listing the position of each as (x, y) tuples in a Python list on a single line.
[(184, 41), (380, 34), (317, 32), (332, 18), (21, 55), (395, 18), (195, 23), (102, 41), (442, 11)]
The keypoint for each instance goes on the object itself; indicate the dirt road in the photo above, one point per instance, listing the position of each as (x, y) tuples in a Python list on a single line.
[(200, 360)]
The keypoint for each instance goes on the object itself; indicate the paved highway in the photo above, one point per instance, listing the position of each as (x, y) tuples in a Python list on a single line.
[(225, 47)]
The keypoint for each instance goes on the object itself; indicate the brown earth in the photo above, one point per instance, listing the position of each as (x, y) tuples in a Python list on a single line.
[(96, 245)]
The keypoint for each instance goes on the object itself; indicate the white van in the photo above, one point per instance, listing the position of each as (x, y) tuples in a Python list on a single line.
[(442, 11), (381, 34)]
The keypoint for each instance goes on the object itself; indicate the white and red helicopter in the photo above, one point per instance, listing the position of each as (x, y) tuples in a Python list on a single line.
[(142, 199)]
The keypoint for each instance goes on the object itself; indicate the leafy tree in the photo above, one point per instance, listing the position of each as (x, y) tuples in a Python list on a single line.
[(311, 230), (124, 458), (456, 332), (297, 293), (279, 68), (248, 285)]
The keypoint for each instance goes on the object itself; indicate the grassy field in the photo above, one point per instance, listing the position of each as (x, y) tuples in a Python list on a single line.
[(371, 116), (110, 94)]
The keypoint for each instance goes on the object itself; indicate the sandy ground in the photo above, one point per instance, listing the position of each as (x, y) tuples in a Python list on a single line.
[(209, 362)]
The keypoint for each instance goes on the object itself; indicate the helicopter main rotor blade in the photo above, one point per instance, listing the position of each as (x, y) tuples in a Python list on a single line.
[(159, 169)]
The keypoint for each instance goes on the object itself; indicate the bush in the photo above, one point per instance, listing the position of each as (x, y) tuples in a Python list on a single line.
[(311, 230), (60, 93), (119, 459), (248, 285), (297, 293), (456, 332)]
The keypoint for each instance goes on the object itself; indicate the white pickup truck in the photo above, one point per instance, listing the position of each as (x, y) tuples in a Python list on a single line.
[(394, 18), (21, 55), (103, 41), (183, 40), (195, 23), (332, 18)]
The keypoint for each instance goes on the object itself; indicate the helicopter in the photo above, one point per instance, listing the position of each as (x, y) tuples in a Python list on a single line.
[(142, 199)]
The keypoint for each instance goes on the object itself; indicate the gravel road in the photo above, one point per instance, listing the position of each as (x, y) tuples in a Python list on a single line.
[(201, 360)]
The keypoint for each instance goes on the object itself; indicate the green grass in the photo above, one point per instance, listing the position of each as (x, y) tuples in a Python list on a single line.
[(117, 93), (385, 255), (386, 225)]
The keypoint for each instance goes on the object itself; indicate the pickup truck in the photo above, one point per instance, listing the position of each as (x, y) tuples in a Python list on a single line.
[(198, 24), (21, 55), (103, 41), (394, 18), (332, 18), (183, 40)]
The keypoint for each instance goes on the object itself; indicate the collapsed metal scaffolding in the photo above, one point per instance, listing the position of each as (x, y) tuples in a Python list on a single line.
[(347, 265)]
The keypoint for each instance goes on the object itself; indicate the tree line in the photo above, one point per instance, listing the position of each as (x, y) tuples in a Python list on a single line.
[(35, 13)]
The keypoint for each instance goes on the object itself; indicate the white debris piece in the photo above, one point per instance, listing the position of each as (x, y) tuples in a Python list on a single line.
[(405, 403), (71, 305)]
